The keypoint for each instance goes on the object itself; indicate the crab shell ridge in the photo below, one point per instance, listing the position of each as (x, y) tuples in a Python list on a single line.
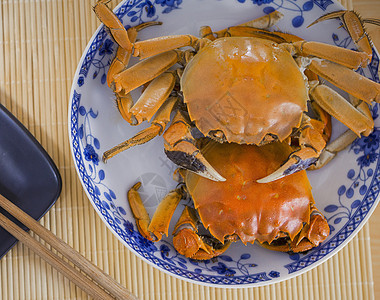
[(245, 87), (241, 206)]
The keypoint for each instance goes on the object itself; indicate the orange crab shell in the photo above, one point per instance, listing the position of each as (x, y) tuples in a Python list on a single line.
[(244, 207), (246, 87)]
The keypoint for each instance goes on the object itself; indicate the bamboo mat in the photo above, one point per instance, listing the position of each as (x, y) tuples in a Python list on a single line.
[(41, 43)]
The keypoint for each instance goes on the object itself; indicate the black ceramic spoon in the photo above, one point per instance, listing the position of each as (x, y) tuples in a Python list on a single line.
[(28, 176)]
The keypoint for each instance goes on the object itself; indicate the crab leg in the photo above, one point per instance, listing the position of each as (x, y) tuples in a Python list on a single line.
[(124, 103), (348, 80), (123, 56), (187, 241), (310, 236), (354, 26), (345, 57), (264, 22), (118, 64), (206, 32), (345, 139), (161, 119), (109, 19), (324, 120), (246, 31), (340, 108), (141, 49), (139, 211), (159, 225), (364, 109), (180, 148), (145, 71), (151, 47), (153, 97), (275, 36), (331, 150)]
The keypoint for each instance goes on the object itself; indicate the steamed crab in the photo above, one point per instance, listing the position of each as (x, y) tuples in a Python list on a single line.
[(259, 71), (280, 215)]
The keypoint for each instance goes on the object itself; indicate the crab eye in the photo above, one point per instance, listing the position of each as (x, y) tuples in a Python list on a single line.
[(217, 135)]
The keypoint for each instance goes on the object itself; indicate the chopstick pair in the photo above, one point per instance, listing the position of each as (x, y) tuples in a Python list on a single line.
[(93, 281)]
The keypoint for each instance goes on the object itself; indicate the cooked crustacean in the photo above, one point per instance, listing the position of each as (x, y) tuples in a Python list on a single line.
[(280, 215), (257, 73)]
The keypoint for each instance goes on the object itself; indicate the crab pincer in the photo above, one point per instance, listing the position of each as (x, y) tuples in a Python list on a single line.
[(181, 148)]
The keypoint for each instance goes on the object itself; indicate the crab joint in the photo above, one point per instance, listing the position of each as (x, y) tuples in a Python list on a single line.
[(180, 148), (121, 60), (159, 225), (332, 149), (187, 241), (139, 211), (109, 19), (137, 75), (159, 123), (264, 22)]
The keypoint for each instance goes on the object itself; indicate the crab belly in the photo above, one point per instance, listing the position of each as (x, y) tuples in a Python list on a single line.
[(246, 87), (243, 207)]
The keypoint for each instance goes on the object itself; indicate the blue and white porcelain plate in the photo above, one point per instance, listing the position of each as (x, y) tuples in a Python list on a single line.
[(346, 190)]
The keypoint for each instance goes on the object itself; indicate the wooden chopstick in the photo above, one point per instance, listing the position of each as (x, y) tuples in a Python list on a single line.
[(85, 282)]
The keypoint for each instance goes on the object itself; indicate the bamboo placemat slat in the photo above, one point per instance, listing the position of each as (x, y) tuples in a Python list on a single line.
[(41, 43)]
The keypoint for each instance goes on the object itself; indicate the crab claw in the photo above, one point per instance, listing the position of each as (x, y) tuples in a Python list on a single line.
[(180, 148), (188, 243), (298, 161), (189, 157), (311, 141)]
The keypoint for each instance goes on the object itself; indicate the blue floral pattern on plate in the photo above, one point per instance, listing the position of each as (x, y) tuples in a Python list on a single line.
[(241, 266)]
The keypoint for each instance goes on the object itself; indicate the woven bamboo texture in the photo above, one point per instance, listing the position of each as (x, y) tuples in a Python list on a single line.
[(41, 43)]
